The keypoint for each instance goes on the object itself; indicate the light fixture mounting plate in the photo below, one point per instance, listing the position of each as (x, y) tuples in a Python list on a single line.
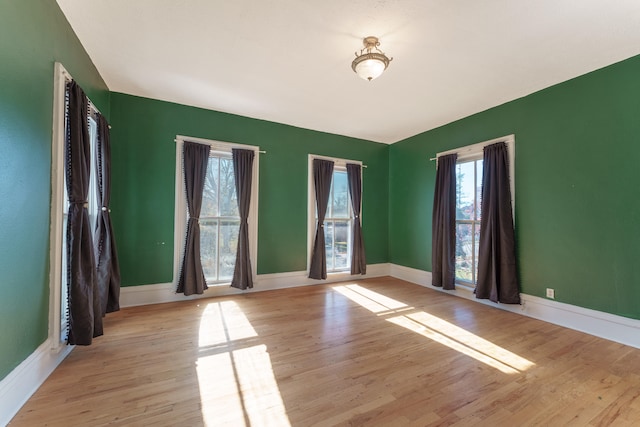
[(370, 42)]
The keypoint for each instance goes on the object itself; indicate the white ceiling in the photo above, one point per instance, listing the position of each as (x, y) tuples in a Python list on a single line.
[(289, 61)]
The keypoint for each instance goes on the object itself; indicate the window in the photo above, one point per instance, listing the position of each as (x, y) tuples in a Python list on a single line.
[(338, 221), (60, 207), (92, 207), (219, 220), (219, 216), (468, 212), (468, 204)]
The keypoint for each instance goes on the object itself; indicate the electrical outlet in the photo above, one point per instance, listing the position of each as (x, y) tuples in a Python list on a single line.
[(551, 293)]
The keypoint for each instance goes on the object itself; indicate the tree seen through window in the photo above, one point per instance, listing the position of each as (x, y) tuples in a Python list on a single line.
[(219, 220), (468, 214), (337, 224)]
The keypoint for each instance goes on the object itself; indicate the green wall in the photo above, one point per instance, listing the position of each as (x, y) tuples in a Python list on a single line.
[(33, 35), (143, 131), (577, 176)]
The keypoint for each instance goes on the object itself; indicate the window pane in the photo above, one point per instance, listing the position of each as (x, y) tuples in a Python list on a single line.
[(465, 190), (228, 247), (219, 236), (340, 195), (329, 211), (341, 244), (328, 243), (92, 198), (228, 201), (209, 247), (477, 244), (210, 192), (464, 252), (478, 189)]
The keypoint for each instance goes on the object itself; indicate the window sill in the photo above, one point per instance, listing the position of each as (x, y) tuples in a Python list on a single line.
[(466, 286), (219, 284)]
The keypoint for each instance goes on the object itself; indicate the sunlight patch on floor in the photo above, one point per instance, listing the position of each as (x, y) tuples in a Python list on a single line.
[(436, 329), (258, 387), (237, 384), (221, 401), (368, 300), (223, 322), (416, 327), (471, 340)]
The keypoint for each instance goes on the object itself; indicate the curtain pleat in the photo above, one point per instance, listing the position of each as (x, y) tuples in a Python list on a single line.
[(196, 159), (497, 275), (106, 254), (85, 308), (242, 171), (322, 175), (443, 243), (358, 257)]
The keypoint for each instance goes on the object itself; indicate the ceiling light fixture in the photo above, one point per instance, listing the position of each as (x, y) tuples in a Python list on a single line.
[(370, 64)]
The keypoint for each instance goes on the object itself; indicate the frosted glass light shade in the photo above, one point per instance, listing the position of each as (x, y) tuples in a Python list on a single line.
[(370, 69)]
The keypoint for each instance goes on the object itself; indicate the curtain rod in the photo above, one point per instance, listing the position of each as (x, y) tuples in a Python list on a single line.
[(258, 151), (68, 78), (93, 107), (462, 151), (337, 160)]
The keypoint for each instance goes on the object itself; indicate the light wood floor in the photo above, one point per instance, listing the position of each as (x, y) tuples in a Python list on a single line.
[(372, 352)]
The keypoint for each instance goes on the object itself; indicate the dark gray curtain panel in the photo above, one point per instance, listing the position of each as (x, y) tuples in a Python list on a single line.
[(85, 312), (108, 269), (358, 257), (242, 172), (196, 159), (322, 175), (443, 243), (497, 275)]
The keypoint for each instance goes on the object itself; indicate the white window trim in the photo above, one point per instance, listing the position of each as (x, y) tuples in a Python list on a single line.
[(180, 232), (475, 151), (60, 79), (311, 204)]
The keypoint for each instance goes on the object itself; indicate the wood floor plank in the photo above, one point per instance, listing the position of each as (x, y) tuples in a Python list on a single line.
[(367, 353)]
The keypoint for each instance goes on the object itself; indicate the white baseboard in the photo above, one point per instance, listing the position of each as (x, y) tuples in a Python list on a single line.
[(17, 387), (604, 325), (165, 292), (413, 275)]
